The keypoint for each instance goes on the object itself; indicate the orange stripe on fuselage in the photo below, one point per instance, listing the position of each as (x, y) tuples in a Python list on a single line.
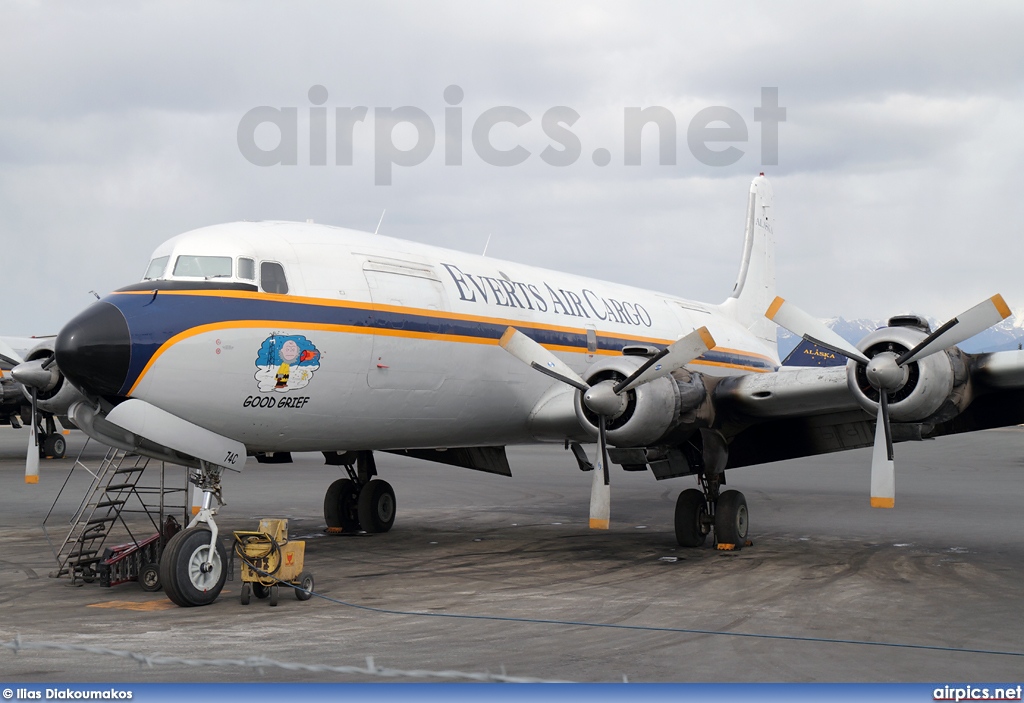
[(379, 331)]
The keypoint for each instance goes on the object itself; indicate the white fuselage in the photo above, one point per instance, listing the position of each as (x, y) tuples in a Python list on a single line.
[(381, 343)]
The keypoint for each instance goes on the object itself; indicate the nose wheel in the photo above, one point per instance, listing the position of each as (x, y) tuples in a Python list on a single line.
[(189, 576), (193, 565)]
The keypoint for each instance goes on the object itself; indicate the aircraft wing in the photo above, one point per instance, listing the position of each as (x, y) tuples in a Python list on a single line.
[(795, 413), (12, 351)]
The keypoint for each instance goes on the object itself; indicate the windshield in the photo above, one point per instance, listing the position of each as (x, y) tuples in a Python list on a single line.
[(204, 266), (156, 268)]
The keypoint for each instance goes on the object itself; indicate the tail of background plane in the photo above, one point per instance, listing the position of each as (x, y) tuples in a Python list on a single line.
[(755, 285)]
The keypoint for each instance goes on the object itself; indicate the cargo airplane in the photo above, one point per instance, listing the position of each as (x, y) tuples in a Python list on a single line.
[(264, 338)]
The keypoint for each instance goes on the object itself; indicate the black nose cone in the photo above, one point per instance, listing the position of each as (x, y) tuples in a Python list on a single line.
[(94, 350)]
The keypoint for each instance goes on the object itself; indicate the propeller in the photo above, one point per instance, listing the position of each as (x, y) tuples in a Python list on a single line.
[(39, 375), (32, 453), (887, 372), (606, 399)]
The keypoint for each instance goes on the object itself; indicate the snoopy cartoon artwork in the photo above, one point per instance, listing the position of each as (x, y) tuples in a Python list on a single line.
[(286, 362)]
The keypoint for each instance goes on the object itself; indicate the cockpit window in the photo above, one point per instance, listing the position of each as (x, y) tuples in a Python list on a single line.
[(272, 278), (203, 266), (247, 269), (156, 268)]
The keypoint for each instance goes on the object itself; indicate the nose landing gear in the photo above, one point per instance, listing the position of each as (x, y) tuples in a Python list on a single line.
[(193, 566)]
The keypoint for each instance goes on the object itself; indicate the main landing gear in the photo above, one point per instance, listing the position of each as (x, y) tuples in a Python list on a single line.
[(52, 444), (699, 511), (194, 564), (359, 502)]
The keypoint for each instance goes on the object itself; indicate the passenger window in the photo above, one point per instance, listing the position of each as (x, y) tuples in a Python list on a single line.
[(156, 268), (272, 278), (247, 269)]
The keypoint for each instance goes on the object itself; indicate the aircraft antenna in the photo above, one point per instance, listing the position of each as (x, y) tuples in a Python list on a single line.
[(380, 220), (486, 244)]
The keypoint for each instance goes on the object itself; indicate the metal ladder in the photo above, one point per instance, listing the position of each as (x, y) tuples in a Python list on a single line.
[(114, 491)]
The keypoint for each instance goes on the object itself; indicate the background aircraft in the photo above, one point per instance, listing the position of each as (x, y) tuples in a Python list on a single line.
[(272, 337), (45, 437)]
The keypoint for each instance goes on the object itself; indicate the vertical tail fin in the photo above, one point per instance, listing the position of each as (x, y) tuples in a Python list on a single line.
[(755, 285)]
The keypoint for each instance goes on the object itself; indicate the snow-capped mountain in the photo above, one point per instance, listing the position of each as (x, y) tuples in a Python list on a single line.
[(1008, 334)]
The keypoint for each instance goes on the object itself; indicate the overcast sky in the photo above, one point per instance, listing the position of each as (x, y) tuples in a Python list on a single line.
[(895, 186)]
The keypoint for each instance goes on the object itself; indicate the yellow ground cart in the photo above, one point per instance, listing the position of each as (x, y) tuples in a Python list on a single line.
[(269, 559)]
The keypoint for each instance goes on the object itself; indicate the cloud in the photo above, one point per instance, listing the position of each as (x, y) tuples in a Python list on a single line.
[(894, 187)]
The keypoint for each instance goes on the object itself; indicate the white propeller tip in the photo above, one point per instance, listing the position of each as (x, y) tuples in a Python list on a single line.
[(599, 524), (882, 502)]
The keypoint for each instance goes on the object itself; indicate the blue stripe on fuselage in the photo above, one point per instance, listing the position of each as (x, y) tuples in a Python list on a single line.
[(152, 321)]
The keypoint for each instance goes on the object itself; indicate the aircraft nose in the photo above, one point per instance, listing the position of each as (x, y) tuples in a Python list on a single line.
[(94, 350)]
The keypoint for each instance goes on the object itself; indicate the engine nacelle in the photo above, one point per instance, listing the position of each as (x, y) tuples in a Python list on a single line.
[(653, 410), (61, 394), (935, 388)]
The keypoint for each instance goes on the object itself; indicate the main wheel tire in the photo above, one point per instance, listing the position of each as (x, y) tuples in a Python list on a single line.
[(181, 568), (341, 505), (690, 511), (731, 519), (306, 584), (149, 577), (54, 446), (377, 506)]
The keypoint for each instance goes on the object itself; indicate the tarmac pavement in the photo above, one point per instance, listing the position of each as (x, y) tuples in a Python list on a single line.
[(485, 573)]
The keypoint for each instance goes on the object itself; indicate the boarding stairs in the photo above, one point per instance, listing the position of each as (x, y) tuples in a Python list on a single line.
[(118, 505)]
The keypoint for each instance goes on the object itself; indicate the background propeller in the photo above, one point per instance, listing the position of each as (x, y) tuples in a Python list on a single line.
[(37, 375), (606, 399), (887, 371)]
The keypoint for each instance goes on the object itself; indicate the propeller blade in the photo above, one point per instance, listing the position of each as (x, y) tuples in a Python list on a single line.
[(32, 455), (600, 487), (803, 325), (674, 356), (883, 468), (533, 354), (8, 355), (963, 326)]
